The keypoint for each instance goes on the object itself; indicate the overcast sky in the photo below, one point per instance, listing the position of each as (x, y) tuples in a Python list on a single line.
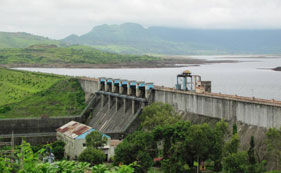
[(60, 18)]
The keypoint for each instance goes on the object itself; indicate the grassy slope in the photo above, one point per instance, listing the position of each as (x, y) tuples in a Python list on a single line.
[(22, 40), (64, 55), (27, 94)]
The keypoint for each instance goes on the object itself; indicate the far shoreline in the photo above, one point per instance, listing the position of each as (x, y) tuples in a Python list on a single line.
[(166, 63)]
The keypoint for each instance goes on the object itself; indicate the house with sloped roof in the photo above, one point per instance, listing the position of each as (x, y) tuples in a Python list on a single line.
[(74, 135)]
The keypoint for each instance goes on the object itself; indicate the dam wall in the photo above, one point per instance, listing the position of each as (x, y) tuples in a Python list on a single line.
[(115, 115), (109, 105), (251, 111), (33, 125), (89, 86), (33, 130)]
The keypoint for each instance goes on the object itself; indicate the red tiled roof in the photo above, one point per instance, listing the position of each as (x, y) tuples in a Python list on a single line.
[(81, 130)]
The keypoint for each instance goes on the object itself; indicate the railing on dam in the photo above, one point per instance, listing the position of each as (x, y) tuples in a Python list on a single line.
[(224, 96), (219, 95)]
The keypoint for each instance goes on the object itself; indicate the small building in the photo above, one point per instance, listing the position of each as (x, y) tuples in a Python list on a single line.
[(74, 135)]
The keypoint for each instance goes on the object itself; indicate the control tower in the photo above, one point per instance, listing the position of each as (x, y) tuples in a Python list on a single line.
[(188, 82)]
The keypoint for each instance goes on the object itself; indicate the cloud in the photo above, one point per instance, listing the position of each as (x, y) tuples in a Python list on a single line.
[(59, 18)]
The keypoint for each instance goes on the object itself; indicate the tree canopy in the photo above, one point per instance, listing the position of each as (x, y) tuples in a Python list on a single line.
[(96, 140), (158, 114)]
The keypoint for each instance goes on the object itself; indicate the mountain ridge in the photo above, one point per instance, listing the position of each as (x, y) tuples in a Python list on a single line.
[(134, 38), (23, 40)]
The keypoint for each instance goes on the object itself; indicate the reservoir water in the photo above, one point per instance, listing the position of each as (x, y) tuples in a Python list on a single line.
[(250, 77)]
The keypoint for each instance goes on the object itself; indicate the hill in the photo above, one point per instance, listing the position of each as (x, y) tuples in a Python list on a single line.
[(40, 55), (133, 38), (22, 40), (28, 94)]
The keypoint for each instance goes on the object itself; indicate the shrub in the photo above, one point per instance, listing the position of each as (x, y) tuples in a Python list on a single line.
[(139, 147), (95, 139), (92, 156), (58, 149), (4, 109), (236, 162)]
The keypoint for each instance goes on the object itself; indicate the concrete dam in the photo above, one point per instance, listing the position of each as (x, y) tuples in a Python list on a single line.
[(250, 111), (114, 105), (118, 104)]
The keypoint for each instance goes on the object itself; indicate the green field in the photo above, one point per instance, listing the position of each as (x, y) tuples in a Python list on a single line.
[(51, 54), (29, 94)]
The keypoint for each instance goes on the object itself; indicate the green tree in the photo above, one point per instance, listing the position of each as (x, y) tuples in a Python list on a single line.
[(199, 141), (273, 142), (184, 144), (251, 156), (96, 139), (5, 165), (139, 147), (236, 162), (169, 134), (58, 149), (234, 129), (177, 160), (27, 158), (158, 114), (219, 137), (232, 145), (92, 156)]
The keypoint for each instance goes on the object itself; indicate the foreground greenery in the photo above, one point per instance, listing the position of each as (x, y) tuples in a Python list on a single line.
[(183, 146), (180, 146), (29, 94), (25, 160), (51, 54)]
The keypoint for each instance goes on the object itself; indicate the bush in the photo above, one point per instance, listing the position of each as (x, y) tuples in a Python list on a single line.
[(158, 114), (92, 156), (58, 149), (4, 109), (139, 147), (95, 139), (236, 162)]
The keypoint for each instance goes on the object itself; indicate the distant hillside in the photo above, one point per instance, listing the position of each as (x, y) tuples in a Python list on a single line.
[(29, 94), (37, 55), (133, 38), (22, 40)]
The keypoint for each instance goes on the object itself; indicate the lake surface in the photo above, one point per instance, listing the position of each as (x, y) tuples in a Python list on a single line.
[(246, 78)]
